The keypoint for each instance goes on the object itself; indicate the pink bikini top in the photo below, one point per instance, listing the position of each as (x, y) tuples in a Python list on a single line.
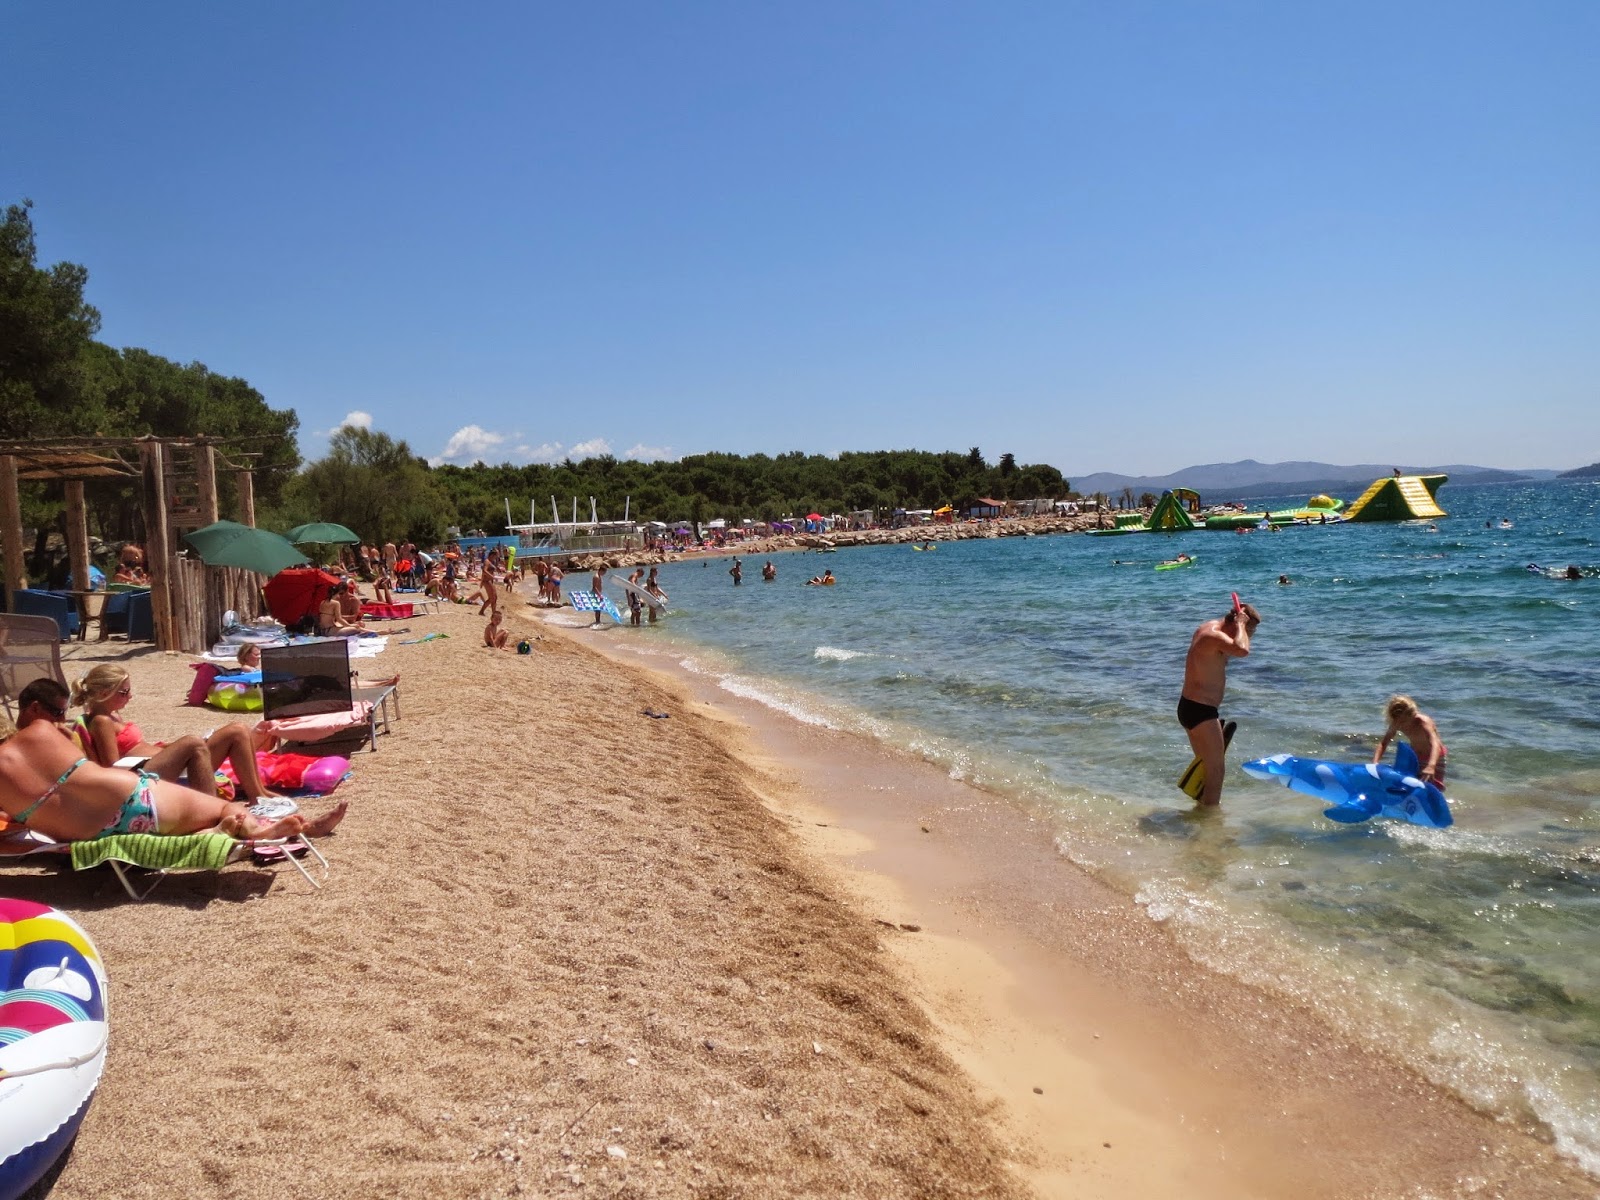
[(129, 736)]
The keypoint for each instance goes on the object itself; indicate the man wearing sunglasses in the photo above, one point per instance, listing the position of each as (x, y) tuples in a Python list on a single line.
[(42, 700)]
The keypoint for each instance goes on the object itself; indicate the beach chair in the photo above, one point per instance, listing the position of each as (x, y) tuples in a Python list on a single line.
[(35, 602), (30, 648), (160, 854), (307, 695)]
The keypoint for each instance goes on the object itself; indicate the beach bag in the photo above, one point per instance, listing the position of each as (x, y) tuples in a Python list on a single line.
[(205, 675)]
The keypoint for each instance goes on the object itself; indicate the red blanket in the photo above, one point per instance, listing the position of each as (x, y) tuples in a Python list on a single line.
[(386, 612)]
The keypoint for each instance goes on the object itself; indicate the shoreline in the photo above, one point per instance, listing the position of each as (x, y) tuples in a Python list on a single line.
[(1129, 1028)]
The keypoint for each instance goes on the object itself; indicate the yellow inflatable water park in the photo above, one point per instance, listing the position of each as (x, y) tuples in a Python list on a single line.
[(1399, 498), (1318, 508)]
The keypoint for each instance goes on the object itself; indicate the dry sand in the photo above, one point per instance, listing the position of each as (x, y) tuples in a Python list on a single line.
[(569, 949)]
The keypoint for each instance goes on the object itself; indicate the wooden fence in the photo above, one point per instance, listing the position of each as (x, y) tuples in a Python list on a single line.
[(201, 594)]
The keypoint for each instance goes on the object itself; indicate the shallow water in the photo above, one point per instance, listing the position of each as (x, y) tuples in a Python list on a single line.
[(1048, 668)]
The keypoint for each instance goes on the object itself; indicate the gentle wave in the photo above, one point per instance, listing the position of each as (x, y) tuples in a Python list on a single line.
[(835, 654), (792, 708)]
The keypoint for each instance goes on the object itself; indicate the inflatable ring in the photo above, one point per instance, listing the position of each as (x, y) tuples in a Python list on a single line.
[(52, 1038), (232, 697)]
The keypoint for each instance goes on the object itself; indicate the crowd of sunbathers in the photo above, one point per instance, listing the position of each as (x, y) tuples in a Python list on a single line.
[(97, 775)]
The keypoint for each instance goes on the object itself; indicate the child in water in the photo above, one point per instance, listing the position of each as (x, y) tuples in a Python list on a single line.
[(1418, 727)]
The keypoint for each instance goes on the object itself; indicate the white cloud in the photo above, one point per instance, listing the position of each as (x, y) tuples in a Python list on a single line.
[(469, 443), (593, 448), (473, 442), (361, 420), (548, 452), (643, 453)]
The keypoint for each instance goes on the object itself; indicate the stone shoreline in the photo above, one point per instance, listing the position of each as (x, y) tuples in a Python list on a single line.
[(846, 539)]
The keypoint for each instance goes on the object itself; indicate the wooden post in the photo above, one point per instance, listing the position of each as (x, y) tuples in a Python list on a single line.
[(77, 536), (205, 478), (16, 567), (158, 545), (247, 497)]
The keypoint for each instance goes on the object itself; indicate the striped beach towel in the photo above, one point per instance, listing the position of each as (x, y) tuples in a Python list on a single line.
[(187, 852)]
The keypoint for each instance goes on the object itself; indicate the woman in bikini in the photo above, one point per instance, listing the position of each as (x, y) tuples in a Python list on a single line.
[(46, 786), (106, 690)]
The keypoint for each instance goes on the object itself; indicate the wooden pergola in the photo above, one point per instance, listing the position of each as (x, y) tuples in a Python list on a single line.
[(170, 501)]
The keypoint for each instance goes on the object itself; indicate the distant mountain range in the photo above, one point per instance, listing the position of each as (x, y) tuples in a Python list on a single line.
[(1590, 472), (1239, 480)]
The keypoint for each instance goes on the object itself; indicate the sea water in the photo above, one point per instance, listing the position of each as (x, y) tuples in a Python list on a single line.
[(1049, 668)]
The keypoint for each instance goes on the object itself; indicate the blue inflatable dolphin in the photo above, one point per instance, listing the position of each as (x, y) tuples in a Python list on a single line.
[(1360, 791)]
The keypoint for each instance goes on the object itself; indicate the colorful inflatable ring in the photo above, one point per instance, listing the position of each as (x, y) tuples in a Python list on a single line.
[(233, 697), (52, 1038)]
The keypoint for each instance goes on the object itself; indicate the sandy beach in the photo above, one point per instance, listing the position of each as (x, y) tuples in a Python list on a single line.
[(570, 948)]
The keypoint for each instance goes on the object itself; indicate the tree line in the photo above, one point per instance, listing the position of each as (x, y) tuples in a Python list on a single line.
[(57, 381), (733, 486)]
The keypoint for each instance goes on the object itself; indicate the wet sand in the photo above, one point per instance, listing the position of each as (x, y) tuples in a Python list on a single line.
[(570, 948)]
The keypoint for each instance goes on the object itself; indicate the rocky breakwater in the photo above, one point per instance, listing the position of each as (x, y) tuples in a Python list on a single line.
[(960, 532)]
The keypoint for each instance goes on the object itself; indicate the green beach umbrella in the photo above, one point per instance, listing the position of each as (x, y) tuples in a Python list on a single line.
[(322, 533), (230, 544)]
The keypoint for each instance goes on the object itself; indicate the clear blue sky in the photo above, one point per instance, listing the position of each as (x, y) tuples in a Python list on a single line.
[(1109, 236)]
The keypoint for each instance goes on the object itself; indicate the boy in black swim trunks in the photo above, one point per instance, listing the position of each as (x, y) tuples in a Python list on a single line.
[(1205, 678)]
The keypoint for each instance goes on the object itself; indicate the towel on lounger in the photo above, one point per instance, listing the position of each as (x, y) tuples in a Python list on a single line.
[(186, 852)]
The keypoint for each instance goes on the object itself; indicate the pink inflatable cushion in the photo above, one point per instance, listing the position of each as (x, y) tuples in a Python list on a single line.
[(300, 772)]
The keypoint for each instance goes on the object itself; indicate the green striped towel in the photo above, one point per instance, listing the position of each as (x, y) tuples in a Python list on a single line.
[(186, 852)]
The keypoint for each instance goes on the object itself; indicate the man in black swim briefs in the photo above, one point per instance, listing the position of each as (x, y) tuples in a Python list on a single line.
[(1205, 677)]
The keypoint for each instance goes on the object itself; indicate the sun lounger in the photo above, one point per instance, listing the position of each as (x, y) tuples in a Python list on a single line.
[(185, 852), (308, 696)]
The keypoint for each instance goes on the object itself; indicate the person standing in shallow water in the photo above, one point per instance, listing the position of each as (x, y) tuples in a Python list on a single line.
[(597, 585), (737, 571), (1205, 678)]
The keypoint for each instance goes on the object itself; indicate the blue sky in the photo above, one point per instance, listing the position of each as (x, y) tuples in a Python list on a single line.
[(1127, 237)]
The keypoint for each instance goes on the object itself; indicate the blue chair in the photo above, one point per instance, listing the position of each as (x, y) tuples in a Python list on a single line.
[(141, 624), (114, 616), (31, 602)]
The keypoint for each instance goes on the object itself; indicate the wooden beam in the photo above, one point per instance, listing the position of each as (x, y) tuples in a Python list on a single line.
[(247, 497), (158, 544), (77, 535), (16, 567), (205, 478)]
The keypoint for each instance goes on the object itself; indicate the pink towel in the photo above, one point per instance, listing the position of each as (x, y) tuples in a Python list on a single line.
[(386, 612), (320, 726)]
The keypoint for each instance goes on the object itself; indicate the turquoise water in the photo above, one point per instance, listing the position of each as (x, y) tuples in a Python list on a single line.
[(1041, 667)]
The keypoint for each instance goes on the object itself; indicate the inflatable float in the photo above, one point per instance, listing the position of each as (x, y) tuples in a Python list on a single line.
[(1360, 791), (52, 1038), (1183, 560)]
